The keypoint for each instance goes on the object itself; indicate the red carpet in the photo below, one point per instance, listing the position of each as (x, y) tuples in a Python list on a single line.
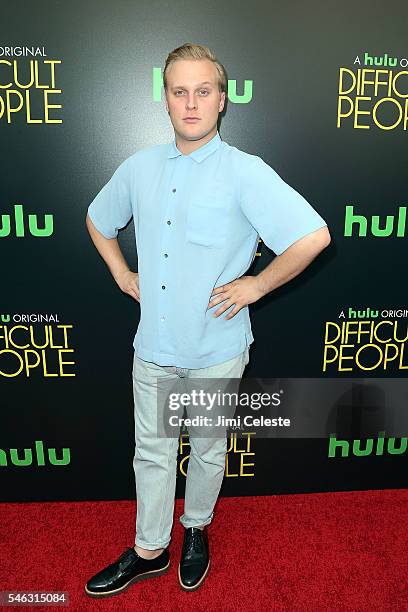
[(295, 553)]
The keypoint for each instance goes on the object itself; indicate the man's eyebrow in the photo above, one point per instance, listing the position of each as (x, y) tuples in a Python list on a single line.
[(182, 86)]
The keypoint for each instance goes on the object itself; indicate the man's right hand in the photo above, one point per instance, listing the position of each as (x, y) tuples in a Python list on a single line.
[(128, 281), (110, 252)]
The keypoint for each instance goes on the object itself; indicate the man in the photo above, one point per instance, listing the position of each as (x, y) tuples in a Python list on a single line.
[(199, 206)]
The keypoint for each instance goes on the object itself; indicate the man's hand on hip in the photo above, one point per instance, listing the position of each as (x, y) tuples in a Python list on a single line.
[(241, 292), (128, 281)]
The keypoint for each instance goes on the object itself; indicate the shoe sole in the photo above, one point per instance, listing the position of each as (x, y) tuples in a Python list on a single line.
[(132, 581), (195, 586)]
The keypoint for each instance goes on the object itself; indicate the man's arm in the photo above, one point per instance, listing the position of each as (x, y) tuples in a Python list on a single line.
[(110, 252), (294, 260), (283, 268)]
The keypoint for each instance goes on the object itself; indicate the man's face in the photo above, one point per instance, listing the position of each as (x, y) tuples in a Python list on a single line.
[(193, 99)]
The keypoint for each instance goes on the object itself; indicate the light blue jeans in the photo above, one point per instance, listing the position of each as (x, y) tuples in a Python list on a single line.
[(155, 459)]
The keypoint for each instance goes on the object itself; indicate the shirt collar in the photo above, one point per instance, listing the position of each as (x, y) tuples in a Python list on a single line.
[(199, 154)]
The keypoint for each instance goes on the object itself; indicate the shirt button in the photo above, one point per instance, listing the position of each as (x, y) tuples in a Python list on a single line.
[(169, 222), (165, 255), (174, 190), (163, 286), (162, 318)]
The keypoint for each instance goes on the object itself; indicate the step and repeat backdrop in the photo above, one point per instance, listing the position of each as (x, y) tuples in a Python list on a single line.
[(320, 92)]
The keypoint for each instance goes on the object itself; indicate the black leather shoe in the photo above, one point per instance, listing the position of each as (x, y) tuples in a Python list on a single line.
[(127, 570), (195, 558)]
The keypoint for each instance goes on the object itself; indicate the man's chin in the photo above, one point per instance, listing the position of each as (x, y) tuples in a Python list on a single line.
[(193, 132)]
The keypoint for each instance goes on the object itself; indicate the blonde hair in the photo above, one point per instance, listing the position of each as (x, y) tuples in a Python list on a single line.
[(197, 52)]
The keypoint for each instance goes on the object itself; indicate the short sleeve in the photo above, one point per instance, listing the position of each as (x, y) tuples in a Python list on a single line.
[(111, 209), (280, 215)]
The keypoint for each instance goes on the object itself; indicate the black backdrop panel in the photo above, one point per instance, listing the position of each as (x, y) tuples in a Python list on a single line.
[(94, 101)]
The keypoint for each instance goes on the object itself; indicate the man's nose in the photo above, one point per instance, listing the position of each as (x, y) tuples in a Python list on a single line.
[(191, 101)]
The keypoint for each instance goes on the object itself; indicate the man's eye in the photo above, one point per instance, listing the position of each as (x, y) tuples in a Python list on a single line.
[(204, 91), (179, 91)]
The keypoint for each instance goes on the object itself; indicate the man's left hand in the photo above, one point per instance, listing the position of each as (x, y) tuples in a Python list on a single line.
[(241, 292)]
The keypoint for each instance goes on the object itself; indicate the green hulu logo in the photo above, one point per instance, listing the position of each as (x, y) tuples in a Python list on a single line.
[(379, 61), (368, 313), (369, 447), (378, 228), (233, 96), (34, 457), (19, 223)]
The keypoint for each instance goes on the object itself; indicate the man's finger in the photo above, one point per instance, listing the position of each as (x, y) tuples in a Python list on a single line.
[(223, 308), (215, 301), (233, 311), (221, 288), (134, 294), (225, 295)]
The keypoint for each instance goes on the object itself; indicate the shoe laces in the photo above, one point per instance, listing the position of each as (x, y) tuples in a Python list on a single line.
[(125, 558), (194, 543)]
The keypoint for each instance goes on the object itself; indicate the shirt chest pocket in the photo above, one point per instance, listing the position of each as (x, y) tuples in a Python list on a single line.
[(208, 223)]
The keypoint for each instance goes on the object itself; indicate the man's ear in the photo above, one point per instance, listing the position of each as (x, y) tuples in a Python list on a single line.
[(222, 101)]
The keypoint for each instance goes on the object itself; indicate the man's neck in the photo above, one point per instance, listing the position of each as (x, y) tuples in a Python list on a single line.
[(188, 146)]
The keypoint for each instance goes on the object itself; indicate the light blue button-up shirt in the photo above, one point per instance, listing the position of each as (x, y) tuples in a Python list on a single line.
[(197, 220)]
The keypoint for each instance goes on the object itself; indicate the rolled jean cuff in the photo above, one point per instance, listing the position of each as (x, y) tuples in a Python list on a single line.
[(149, 546), (188, 523)]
